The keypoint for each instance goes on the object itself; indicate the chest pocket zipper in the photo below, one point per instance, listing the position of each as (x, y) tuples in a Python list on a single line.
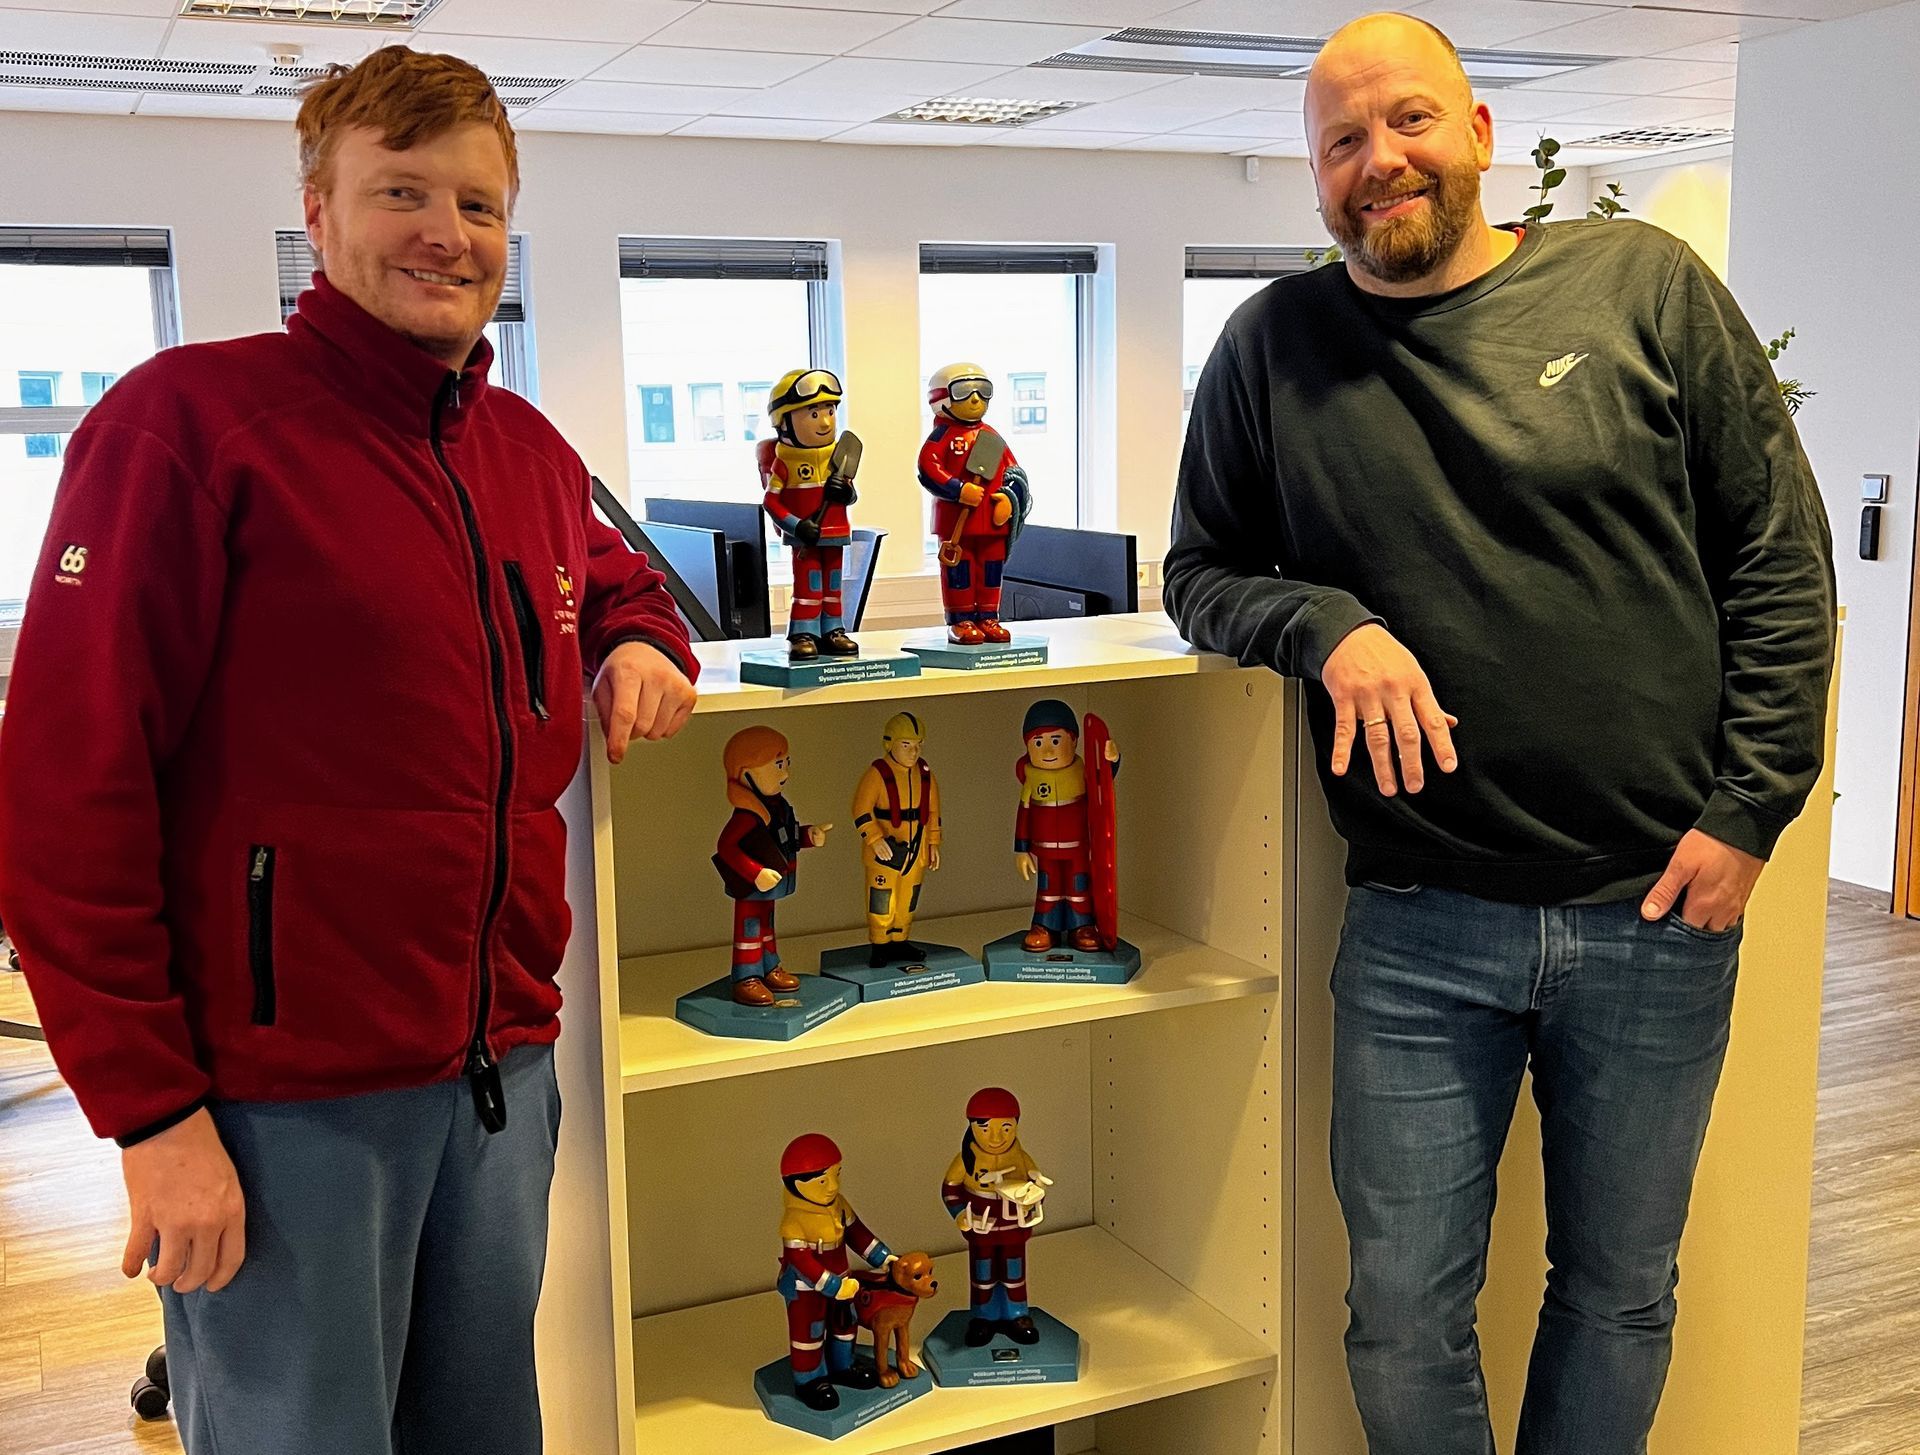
[(533, 649), (260, 933)]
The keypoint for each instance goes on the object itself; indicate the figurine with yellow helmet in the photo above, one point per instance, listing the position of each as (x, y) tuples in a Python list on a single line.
[(995, 1195), (981, 501), (817, 1227), (807, 471), (896, 812)]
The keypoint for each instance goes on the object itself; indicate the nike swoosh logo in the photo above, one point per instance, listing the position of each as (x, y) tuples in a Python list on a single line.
[(1559, 369)]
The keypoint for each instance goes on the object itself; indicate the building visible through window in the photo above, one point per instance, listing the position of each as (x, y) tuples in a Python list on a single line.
[(40, 391)]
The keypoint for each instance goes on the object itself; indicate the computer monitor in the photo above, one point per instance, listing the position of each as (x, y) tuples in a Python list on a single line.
[(703, 621), (744, 526), (1052, 572), (858, 568), (704, 563)]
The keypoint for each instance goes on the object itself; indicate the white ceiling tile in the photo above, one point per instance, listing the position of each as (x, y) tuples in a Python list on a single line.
[(117, 35), (907, 134), (511, 56), (166, 8), (640, 96), (1259, 125), (1712, 91), (252, 40), (1485, 24), (771, 128), (1021, 136), (1725, 52), (1243, 91), (1791, 9), (1645, 32), (1035, 83), (798, 102), (1133, 115), (1526, 107), (922, 78), (1292, 147), (882, 7), (1224, 146), (1651, 111), (1262, 17), (994, 42), (67, 99), (255, 108), (1110, 14), (618, 123), (778, 28), (1634, 77), (678, 65), (622, 20)]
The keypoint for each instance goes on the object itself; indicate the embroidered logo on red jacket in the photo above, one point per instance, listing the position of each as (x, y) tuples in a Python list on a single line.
[(73, 560)]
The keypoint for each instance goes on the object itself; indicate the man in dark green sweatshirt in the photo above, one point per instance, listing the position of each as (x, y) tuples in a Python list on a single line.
[(1527, 507)]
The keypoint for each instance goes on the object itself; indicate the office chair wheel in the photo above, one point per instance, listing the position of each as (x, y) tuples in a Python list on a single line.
[(157, 1369), (149, 1400)]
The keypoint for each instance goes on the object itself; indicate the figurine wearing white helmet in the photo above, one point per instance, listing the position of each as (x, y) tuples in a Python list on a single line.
[(981, 499)]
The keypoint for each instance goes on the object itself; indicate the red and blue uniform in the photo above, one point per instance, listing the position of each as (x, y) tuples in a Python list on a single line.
[(818, 1323), (970, 587), (795, 479)]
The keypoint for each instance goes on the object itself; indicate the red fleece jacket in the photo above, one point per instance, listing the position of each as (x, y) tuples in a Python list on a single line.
[(297, 692)]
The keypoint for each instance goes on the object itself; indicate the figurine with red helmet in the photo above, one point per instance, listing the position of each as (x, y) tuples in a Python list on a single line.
[(981, 500), (817, 1226), (807, 472), (757, 857), (995, 1195), (1053, 835)]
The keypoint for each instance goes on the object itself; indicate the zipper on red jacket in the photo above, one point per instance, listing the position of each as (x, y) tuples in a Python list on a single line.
[(481, 1070)]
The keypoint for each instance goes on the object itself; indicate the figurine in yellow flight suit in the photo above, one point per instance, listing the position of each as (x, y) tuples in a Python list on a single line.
[(896, 812)]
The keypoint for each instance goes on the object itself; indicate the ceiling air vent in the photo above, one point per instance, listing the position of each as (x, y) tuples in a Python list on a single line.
[(1650, 137), (1281, 57), (208, 78), (379, 14), (971, 111)]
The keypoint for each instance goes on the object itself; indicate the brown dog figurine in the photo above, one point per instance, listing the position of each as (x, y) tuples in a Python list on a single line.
[(885, 1304)]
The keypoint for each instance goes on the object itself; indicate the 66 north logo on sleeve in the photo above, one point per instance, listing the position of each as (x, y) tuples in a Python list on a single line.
[(73, 560)]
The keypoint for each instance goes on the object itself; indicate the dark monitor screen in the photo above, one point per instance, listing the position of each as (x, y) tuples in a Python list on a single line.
[(704, 563), (744, 527), (1052, 572)]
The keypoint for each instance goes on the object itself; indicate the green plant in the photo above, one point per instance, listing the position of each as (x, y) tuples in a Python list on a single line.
[(1792, 392)]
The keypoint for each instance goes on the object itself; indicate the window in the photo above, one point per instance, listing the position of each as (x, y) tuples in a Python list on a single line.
[(510, 331), (698, 311), (656, 410), (78, 308), (1219, 280), (1024, 315), (38, 391)]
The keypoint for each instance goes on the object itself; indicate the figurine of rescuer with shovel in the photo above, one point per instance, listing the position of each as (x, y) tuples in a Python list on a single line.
[(981, 500)]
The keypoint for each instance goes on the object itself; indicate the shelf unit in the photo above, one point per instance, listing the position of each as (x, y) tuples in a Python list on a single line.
[(1157, 1106)]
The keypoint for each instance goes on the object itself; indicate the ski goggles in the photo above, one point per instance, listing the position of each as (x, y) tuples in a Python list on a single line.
[(961, 390)]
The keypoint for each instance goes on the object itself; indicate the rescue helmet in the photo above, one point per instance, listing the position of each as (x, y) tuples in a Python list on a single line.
[(903, 726), (991, 1104), (1047, 715), (957, 382), (809, 1156), (797, 388)]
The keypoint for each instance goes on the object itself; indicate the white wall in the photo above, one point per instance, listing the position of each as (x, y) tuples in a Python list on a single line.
[(223, 187), (1829, 247), (1692, 199)]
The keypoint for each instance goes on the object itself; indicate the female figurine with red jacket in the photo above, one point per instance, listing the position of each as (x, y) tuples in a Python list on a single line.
[(757, 857), (981, 499)]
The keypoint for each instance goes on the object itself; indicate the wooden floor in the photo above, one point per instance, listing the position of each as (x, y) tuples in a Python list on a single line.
[(73, 1333)]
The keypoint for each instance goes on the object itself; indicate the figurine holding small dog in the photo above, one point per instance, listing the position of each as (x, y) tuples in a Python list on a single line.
[(817, 1225), (995, 1195)]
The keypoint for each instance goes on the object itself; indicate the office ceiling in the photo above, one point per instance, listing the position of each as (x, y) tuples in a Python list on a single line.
[(839, 70)]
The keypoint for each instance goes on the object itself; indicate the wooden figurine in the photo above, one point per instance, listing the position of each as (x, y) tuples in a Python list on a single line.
[(981, 500), (1064, 833), (758, 856), (896, 812), (816, 1227), (995, 1196), (807, 473)]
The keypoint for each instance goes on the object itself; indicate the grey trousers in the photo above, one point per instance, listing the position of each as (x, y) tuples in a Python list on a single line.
[(394, 1257)]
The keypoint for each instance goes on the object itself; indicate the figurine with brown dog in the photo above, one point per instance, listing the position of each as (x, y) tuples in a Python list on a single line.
[(996, 1196), (758, 858), (1066, 838), (818, 1229)]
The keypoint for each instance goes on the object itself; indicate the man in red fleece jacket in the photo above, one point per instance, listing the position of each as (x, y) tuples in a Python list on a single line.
[(291, 712)]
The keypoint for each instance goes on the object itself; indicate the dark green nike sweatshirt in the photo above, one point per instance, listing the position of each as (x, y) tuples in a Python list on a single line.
[(1571, 489)]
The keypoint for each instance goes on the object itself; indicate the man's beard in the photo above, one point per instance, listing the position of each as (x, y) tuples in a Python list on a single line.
[(1407, 249)]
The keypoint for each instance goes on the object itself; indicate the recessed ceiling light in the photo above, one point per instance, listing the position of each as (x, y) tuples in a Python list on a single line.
[(1651, 136), (381, 14), (970, 111)]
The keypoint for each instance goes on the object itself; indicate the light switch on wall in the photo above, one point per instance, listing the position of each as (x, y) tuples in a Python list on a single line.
[(1874, 488)]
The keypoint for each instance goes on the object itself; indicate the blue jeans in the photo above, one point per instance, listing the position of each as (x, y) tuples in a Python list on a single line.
[(1441, 1000), (394, 1256)]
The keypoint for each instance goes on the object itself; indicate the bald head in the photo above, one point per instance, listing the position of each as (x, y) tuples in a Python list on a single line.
[(1362, 47)]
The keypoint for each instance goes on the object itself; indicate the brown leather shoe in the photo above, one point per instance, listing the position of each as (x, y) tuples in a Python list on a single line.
[(1087, 938), (837, 643), (1037, 939), (752, 991), (802, 647), (965, 634), (782, 980), (994, 632)]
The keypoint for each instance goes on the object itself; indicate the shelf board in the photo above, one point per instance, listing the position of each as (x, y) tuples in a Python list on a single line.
[(658, 1051), (1143, 1337), (1089, 649)]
